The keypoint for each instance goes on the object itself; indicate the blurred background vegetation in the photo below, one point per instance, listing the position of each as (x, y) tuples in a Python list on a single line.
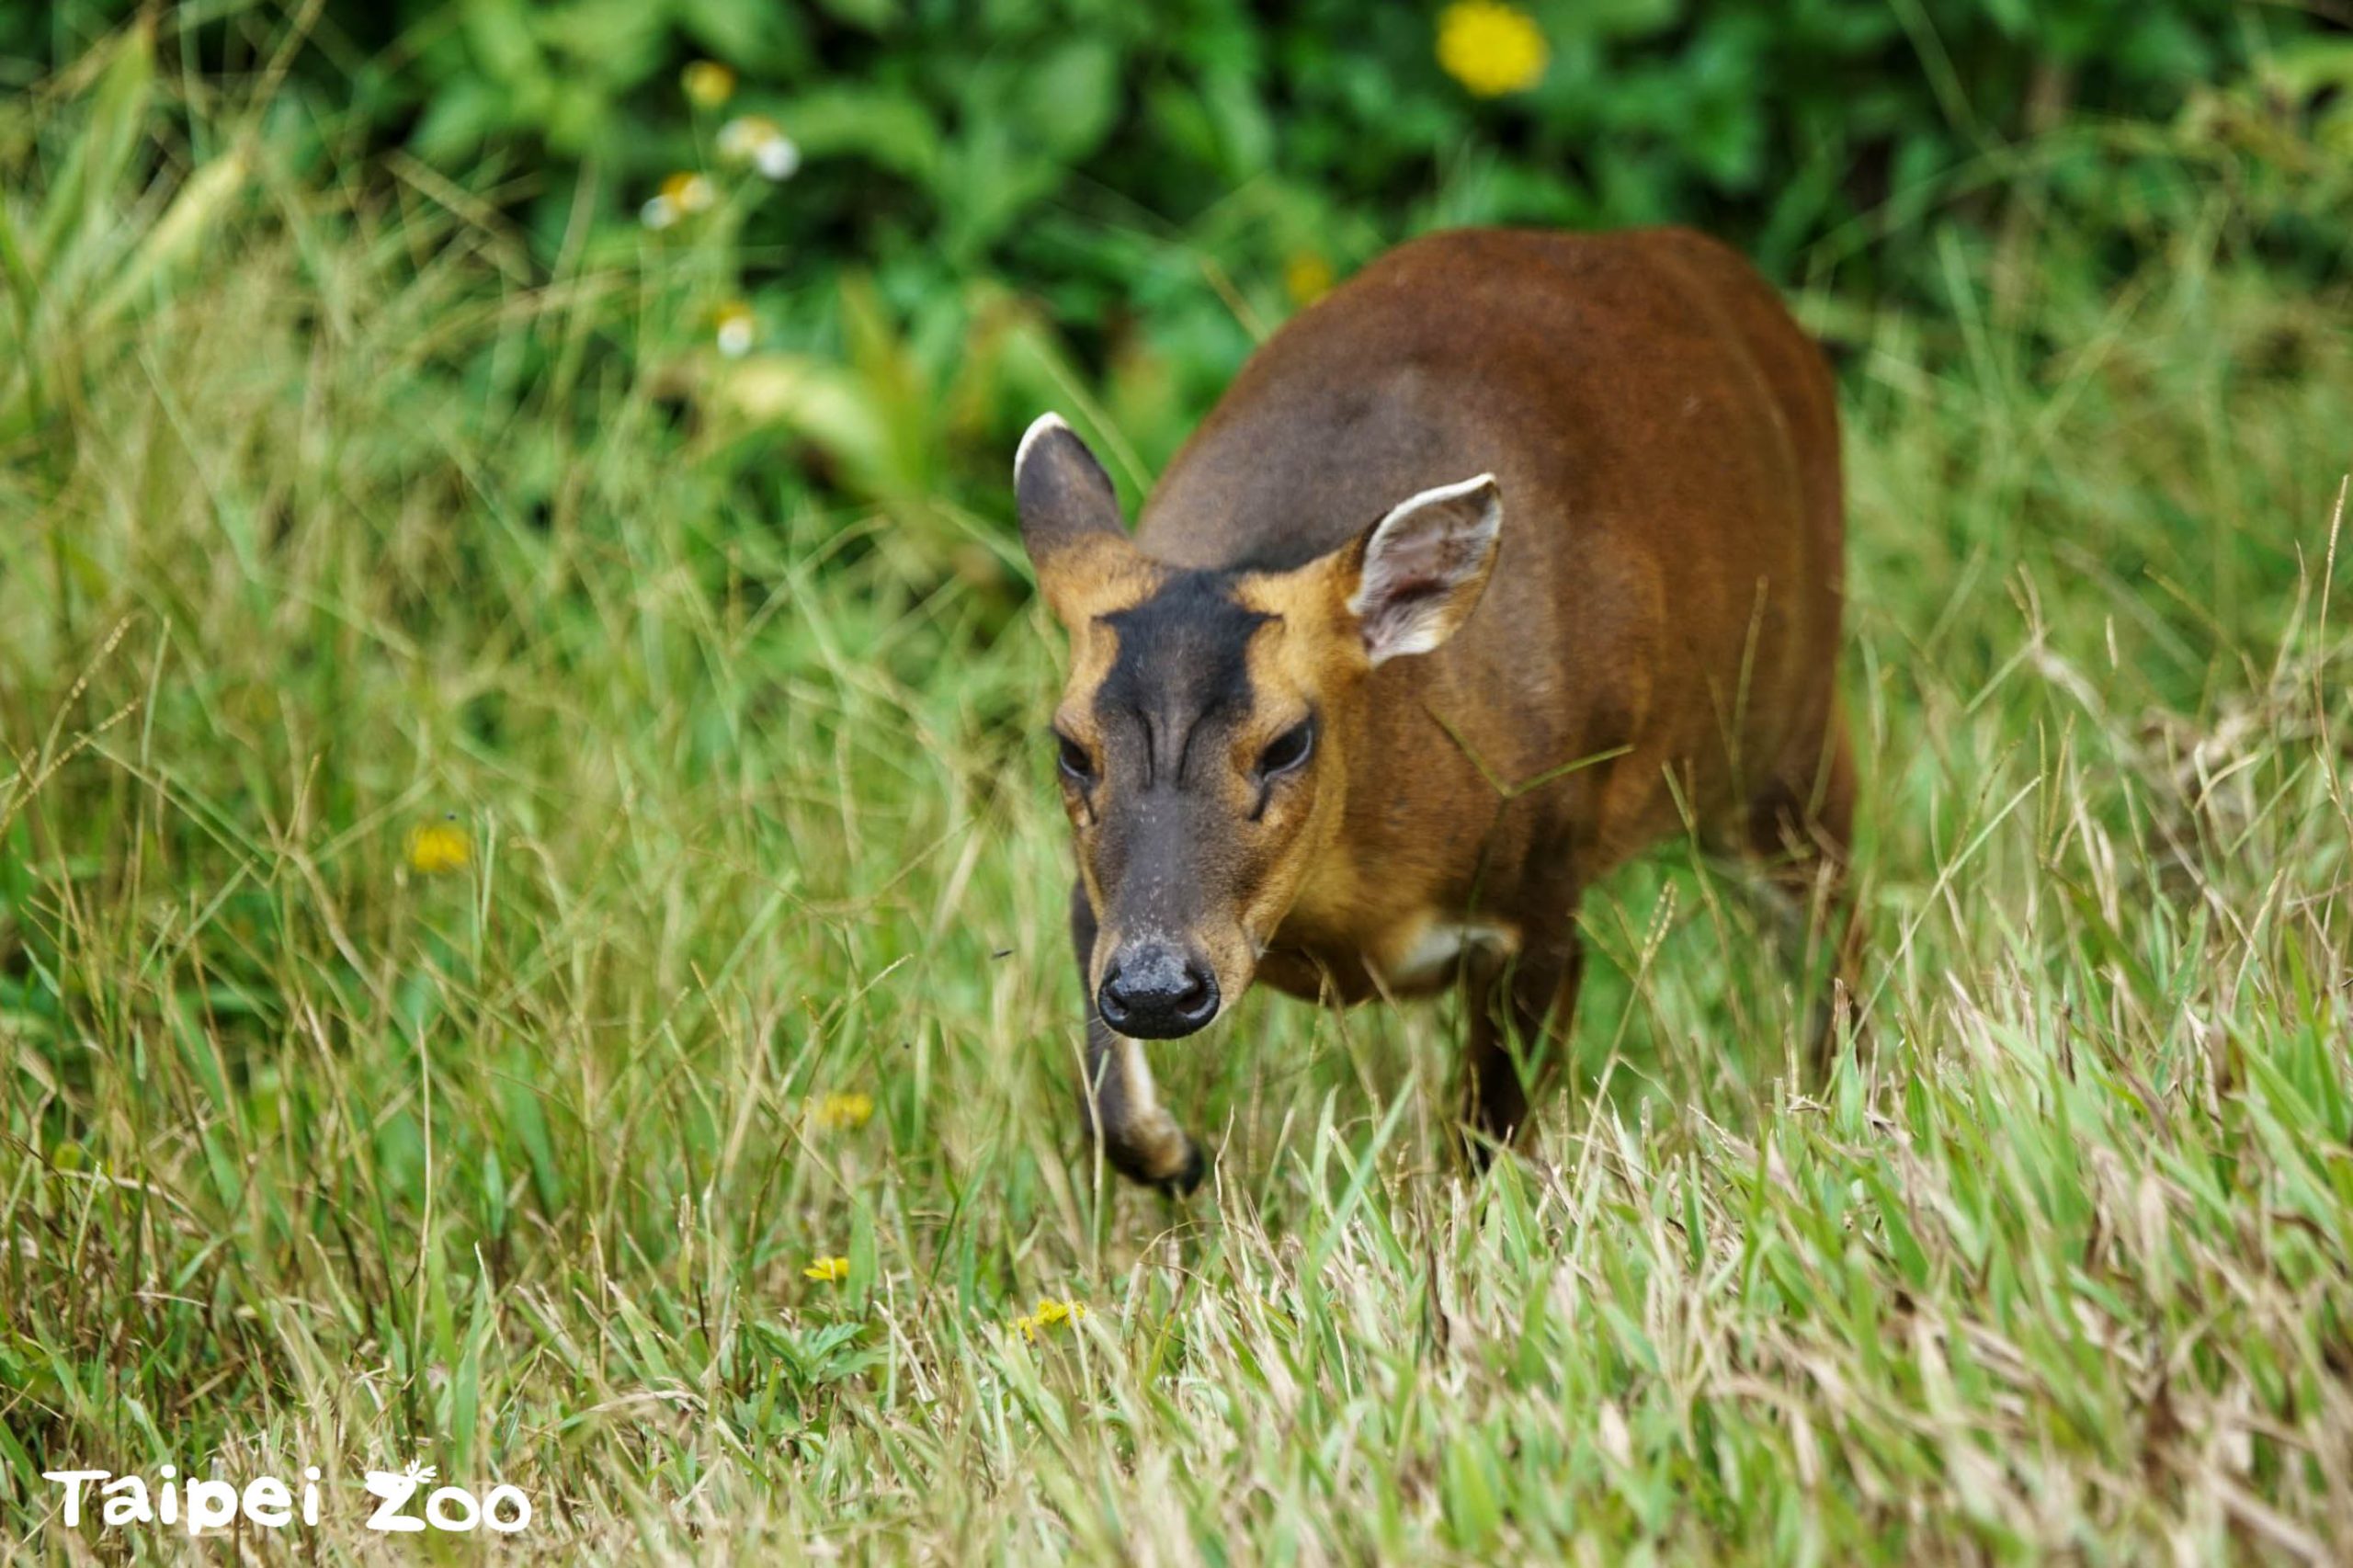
[(520, 766), (906, 225)]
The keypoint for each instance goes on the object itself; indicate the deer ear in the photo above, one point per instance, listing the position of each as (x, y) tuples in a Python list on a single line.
[(1420, 570), (1069, 511), (1070, 514)]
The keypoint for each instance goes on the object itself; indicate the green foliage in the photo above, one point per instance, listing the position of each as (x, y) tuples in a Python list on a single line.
[(1110, 158), (961, 122), (1043, 139), (998, 205), (334, 504)]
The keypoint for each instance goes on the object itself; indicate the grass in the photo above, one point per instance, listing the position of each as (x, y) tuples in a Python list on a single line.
[(306, 1157)]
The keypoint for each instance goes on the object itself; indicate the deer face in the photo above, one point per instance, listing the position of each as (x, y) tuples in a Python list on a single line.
[(1201, 738)]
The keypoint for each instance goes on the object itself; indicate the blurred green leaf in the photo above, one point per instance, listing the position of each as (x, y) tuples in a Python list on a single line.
[(499, 32), (95, 166), (889, 127), (196, 209), (874, 15), (459, 121), (1071, 97), (1245, 132)]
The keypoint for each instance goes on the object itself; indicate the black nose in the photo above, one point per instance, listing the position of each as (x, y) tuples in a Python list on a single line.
[(1154, 992)]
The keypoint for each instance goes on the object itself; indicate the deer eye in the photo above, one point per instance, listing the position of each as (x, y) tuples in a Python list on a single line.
[(1289, 750), (1071, 758)]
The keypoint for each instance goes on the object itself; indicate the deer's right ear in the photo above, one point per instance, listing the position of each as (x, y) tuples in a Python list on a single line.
[(1070, 514), (1419, 573)]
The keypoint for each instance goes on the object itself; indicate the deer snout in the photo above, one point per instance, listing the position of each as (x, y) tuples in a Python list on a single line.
[(1153, 989)]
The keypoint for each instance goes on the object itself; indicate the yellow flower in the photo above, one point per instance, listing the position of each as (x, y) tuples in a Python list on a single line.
[(708, 84), (1307, 277), (1491, 48), (1047, 1314), (689, 192), (438, 848), (754, 138), (681, 195), (839, 1111), (827, 1269), (736, 327)]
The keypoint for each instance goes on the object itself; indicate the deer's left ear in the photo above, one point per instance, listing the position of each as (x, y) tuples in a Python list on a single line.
[(1418, 572), (1070, 515)]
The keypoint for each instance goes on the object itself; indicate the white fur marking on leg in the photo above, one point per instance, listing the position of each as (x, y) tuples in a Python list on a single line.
[(1439, 944), (1135, 1075)]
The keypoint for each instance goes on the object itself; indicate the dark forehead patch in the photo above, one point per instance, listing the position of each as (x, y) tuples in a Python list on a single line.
[(1183, 657)]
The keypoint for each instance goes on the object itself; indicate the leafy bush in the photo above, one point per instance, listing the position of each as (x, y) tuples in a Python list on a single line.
[(1104, 206), (1101, 151)]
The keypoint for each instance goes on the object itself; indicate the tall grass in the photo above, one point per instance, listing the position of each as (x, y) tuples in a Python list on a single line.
[(332, 527)]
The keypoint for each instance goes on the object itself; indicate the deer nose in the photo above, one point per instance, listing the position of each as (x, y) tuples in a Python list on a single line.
[(1153, 991)]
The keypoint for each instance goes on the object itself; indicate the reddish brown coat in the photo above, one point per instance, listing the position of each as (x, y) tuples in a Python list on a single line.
[(1657, 641)]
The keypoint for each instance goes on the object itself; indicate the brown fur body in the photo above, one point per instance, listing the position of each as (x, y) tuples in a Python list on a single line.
[(1667, 440), (1657, 644)]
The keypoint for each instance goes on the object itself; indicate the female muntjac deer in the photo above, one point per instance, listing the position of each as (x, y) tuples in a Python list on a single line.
[(1331, 722)]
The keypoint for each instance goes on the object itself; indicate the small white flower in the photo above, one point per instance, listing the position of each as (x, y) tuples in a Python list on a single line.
[(735, 336), (741, 137), (776, 157), (754, 139), (659, 212)]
